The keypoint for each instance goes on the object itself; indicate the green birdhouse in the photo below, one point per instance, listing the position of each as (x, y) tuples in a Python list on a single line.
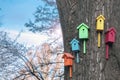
[(83, 31)]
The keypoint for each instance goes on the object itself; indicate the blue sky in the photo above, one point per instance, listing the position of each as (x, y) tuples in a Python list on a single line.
[(15, 13)]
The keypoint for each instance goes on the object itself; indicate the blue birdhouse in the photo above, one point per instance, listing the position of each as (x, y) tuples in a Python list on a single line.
[(75, 45)]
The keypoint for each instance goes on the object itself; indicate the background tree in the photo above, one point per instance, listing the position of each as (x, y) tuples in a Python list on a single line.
[(44, 62), (46, 16), (9, 56), (39, 63), (93, 65)]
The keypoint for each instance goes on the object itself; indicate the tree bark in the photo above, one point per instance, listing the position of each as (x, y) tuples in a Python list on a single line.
[(93, 65)]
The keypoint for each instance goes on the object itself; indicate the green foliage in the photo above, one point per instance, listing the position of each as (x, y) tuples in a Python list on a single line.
[(46, 16)]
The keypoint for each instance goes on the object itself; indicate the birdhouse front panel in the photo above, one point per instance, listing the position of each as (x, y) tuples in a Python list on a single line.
[(68, 62), (75, 46), (83, 33), (100, 24), (110, 35)]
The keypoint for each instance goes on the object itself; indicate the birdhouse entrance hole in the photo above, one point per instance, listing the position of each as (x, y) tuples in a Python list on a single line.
[(111, 34), (83, 30)]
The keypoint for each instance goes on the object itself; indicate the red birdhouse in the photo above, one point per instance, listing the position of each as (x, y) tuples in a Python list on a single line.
[(68, 59), (109, 39), (110, 35)]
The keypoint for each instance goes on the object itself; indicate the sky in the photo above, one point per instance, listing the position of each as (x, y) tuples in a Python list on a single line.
[(14, 14)]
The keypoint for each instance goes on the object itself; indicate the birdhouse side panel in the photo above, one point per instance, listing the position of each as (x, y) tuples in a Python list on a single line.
[(65, 61), (100, 24), (83, 33), (75, 46), (106, 38)]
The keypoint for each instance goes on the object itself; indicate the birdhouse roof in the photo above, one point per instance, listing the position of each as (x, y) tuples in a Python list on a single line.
[(68, 55), (74, 40), (84, 25), (100, 16), (111, 29)]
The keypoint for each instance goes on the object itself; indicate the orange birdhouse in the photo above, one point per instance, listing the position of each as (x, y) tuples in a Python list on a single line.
[(68, 59)]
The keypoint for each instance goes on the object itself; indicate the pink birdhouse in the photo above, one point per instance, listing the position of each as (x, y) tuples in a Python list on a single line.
[(109, 39), (110, 35)]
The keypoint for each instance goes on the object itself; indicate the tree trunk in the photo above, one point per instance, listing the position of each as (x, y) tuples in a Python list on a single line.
[(93, 65)]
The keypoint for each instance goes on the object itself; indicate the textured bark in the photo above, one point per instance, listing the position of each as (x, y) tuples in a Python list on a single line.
[(93, 65)]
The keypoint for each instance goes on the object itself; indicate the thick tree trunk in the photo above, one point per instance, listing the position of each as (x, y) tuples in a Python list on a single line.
[(93, 65)]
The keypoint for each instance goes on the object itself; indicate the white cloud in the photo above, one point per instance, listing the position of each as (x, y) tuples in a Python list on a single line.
[(32, 39), (29, 39)]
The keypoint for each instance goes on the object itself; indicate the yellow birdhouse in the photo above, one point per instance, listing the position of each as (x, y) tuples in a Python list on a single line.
[(100, 23)]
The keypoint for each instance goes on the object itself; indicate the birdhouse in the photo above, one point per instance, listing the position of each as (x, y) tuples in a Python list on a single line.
[(110, 35), (75, 45), (109, 38), (83, 31), (68, 59), (100, 23)]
